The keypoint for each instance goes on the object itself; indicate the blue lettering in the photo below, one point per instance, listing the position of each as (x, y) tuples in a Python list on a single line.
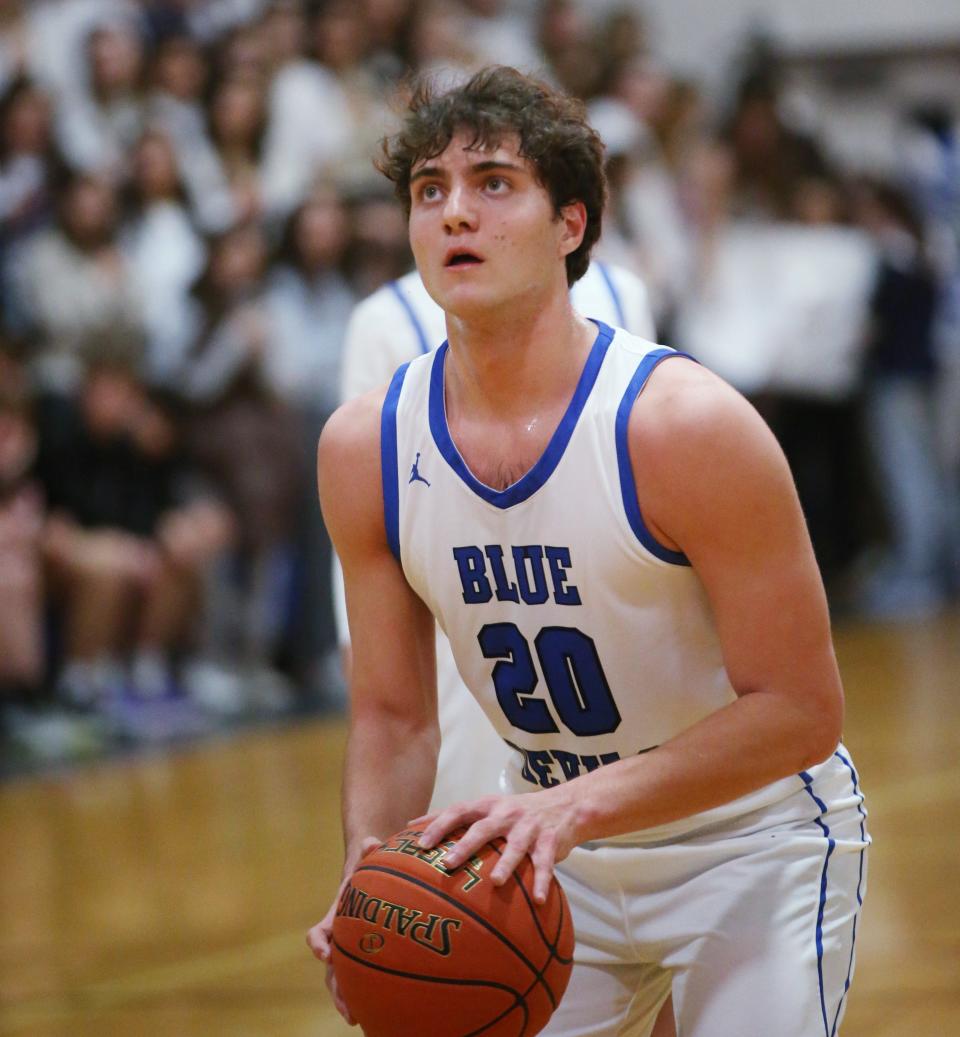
[(569, 763), (506, 589), (537, 764), (533, 554), (558, 559), (486, 571), (591, 763), (540, 763), (476, 586)]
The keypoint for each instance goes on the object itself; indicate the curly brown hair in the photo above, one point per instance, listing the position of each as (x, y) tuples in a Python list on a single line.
[(565, 152)]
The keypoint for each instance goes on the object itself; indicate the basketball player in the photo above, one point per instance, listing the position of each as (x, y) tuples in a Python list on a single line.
[(612, 542), (395, 324)]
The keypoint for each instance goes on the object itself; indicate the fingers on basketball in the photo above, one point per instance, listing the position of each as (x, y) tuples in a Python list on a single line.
[(422, 948)]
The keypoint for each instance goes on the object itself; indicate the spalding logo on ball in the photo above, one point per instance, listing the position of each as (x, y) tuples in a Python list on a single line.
[(419, 949)]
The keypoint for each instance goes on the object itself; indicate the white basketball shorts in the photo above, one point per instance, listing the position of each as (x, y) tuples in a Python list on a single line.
[(753, 925)]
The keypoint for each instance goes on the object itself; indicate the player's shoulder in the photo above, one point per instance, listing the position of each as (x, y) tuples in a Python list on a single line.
[(689, 422), (349, 477), (352, 432), (682, 395)]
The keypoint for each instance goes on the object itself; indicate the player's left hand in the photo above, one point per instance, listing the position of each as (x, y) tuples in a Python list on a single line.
[(541, 824)]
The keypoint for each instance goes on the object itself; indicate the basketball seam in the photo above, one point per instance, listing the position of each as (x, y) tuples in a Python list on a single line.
[(523, 1028), (552, 947), (518, 998)]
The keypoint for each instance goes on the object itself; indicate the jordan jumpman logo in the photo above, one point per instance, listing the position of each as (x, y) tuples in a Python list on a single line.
[(415, 475)]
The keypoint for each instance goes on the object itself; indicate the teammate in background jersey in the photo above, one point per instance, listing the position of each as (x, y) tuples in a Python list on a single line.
[(612, 542), (390, 327)]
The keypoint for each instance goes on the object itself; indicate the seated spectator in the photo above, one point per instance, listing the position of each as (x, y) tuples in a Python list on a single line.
[(126, 543), (98, 126), (179, 77), (310, 126), (72, 280), (238, 123), (31, 168), (165, 252), (309, 302)]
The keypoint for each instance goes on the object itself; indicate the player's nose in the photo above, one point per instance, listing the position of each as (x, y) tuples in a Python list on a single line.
[(458, 210)]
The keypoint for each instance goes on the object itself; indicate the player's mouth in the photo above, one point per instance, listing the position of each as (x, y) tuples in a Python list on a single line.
[(462, 258)]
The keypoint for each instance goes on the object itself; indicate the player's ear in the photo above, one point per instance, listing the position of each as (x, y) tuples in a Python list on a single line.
[(573, 223)]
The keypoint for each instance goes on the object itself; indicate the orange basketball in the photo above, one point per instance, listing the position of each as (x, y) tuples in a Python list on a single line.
[(418, 949)]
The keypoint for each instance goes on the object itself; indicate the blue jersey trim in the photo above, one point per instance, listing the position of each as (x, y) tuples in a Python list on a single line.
[(614, 294), (831, 844), (411, 314), (863, 835), (389, 474), (528, 485), (628, 485)]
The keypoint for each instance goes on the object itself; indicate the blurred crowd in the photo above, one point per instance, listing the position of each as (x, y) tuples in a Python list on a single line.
[(188, 214)]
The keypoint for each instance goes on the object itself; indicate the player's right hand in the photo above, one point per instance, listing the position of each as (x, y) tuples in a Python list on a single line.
[(320, 941), (320, 937)]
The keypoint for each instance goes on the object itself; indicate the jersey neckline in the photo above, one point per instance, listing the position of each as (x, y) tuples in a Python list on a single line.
[(531, 481)]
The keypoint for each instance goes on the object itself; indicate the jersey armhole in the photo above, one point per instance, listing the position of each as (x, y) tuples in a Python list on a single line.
[(389, 473), (628, 485)]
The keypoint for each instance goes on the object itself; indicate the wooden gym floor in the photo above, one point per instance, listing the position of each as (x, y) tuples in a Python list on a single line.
[(169, 895)]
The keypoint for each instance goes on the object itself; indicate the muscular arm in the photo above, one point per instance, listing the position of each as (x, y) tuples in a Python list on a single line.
[(716, 486), (393, 735)]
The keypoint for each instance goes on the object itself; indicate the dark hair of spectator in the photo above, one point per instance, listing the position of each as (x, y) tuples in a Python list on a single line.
[(205, 290), (20, 87), (566, 153), (259, 130), (74, 182), (123, 27), (287, 251), (131, 195)]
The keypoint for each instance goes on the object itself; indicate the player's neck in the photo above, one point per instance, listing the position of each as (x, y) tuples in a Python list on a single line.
[(509, 361)]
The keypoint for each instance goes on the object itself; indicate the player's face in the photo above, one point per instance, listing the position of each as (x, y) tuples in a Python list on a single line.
[(483, 230)]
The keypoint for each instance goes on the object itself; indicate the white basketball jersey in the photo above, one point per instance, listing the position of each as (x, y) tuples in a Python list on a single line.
[(398, 322), (583, 638)]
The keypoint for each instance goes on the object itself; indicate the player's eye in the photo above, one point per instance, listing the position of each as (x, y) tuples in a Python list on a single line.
[(496, 184), (429, 192)]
